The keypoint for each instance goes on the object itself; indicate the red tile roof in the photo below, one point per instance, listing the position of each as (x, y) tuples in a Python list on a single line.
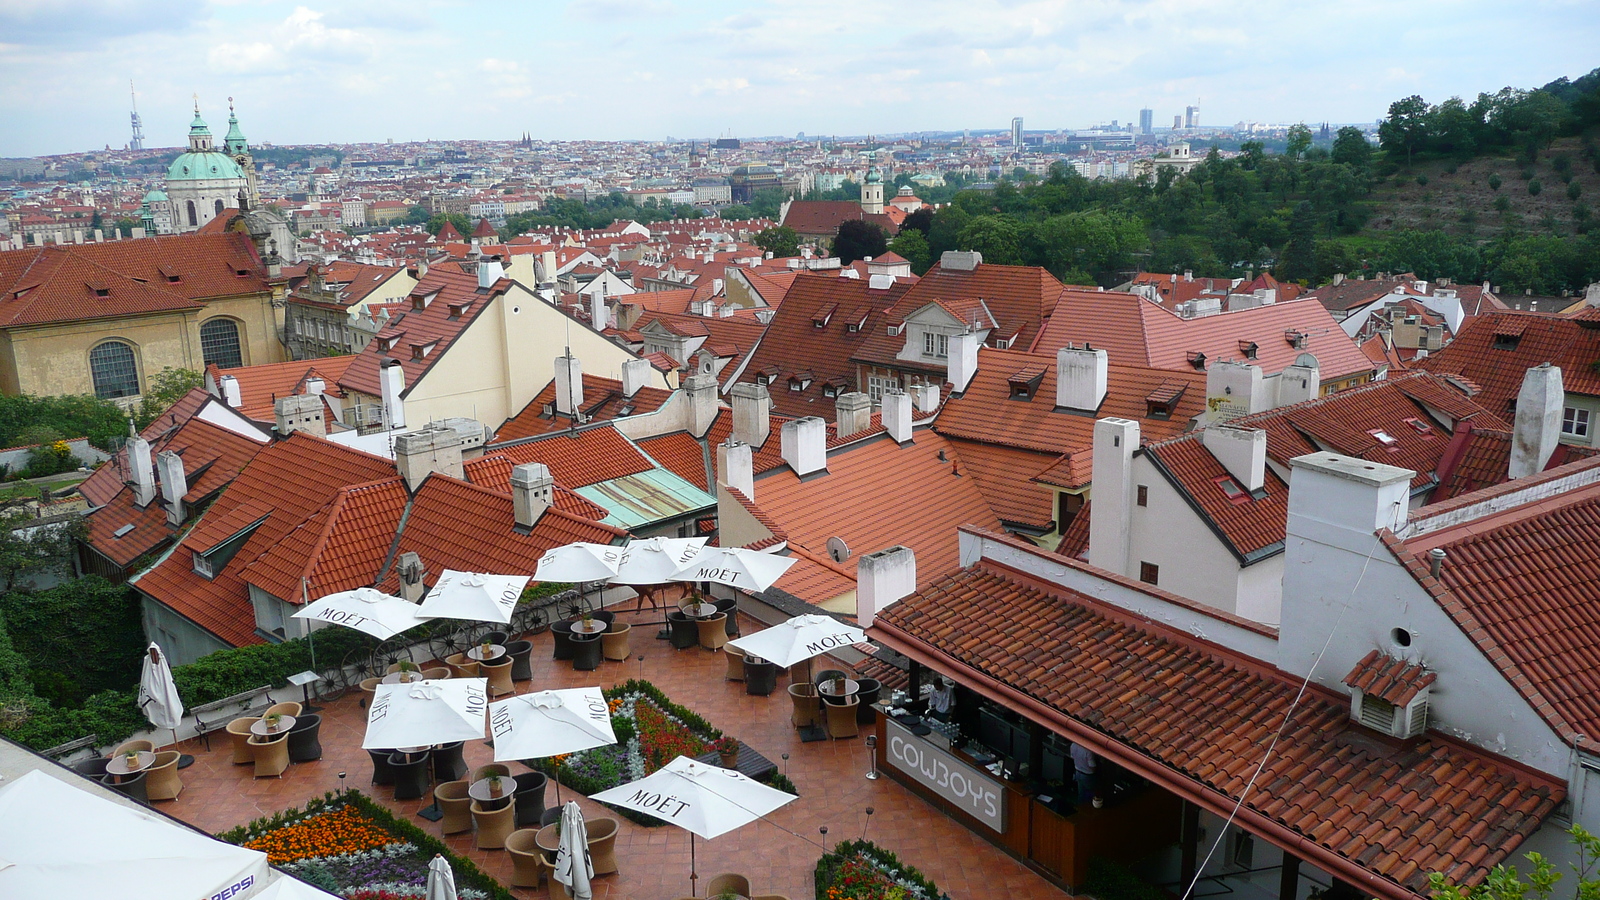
[(680, 454), (260, 386), (602, 400), (1005, 477), (1388, 678), (814, 218), (729, 337), (105, 481), (494, 472), (1486, 461), (1019, 298), (338, 548), (580, 458), (1496, 349), (1195, 717), (1075, 540), (1250, 527), (457, 302)]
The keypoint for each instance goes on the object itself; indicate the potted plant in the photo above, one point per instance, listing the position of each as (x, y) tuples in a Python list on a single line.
[(273, 720), (408, 670), (485, 647), (727, 751), (132, 759), (494, 785)]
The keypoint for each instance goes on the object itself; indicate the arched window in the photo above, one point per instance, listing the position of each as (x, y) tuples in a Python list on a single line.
[(219, 207), (114, 369), (219, 343), (192, 219)]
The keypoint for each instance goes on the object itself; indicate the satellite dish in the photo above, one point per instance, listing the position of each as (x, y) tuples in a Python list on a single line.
[(838, 550)]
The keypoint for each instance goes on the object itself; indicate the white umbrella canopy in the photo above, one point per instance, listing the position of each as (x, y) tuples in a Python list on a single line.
[(441, 879), (476, 596), (288, 887), (748, 570), (579, 561), (367, 610), (61, 840), (655, 560), (574, 867), (799, 639), (703, 799), (158, 694), (545, 723), (426, 712)]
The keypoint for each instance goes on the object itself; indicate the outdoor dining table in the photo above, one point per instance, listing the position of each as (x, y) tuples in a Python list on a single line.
[(593, 626), (700, 610), (402, 677), (409, 752), (549, 838), (830, 689), (118, 765), (495, 652), (260, 728), (479, 791)]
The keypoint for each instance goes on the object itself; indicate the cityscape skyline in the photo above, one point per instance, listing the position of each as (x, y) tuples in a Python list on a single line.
[(607, 72)]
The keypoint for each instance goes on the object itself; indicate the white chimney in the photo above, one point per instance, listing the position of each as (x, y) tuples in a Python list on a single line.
[(963, 361), (1537, 427), (1300, 382), (231, 394), (418, 454), (804, 445), (1115, 440), (141, 474), (736, 467), (925, 396), (1234, 389), (392, 380), (173, 485), (853, 413), (532, 492), (316, 386), (569, 384), (701, 391), (300, 412), (960, 260), (597, 310), (883, 578), (635, 374), (1242, 451), (1341, 500), (896, 415), (489, 272), (752, 413), (1081, 377)]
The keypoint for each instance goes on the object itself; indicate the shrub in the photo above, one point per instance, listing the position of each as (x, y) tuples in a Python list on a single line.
[(1574, 190), (1494, 182), (1502, 203), (859, 861), (1534, 187), (1422, 180)]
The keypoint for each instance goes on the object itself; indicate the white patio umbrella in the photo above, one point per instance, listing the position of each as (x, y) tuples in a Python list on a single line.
[(158, 694), (367, 610), (699, 798), (426, 712), (799, 639), (578, 562), (748, 570), (547, 723), (441, 879), (287, 887), (476, 596), (574, 868), (655, 560)]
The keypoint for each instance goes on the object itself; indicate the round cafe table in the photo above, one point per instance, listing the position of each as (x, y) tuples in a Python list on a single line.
[(402, 677), (495, 652), (259, 727), (593, 626), (831, 694), (700, 610), (118, 765), (479, 791), (409, 752), (549, 838)]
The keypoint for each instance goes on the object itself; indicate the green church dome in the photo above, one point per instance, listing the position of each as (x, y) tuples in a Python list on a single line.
[(203, 165)]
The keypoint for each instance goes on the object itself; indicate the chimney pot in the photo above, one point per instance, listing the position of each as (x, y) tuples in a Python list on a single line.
[(174, 485), (418, 454), (635, 374), (392, 380), (752, 413), (569, 384), (1081, 375), (231, 393), (1436, 561), (532, 492), (804, 445), (141, 473), (853, 413), (412, 574), (1537, 427), (896, 415), (300, 412), (736, 467), (883, 578)]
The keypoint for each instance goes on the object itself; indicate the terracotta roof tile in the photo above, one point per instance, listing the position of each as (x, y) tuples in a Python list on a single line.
[(260, 385), (1388, 678), (1496, 349), (1486, 461), (680, 454), (1075, 540), (457, 302), (1006, 477), (1020, 299), (494, 472), (602, 400), (580, 458)]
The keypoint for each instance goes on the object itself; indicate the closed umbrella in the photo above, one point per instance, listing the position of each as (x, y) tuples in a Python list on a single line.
[(441, 879), (423, 713), (799, 639), (367, 610), (474, 596), (549, 723), (747, 570), (701, 799), (574, 868), (158, 693)]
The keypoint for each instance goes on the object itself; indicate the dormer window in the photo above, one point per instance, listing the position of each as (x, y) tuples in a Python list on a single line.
[(1023, 385), (1248, 348), (1390, 695), (1507, 341), (421, 351), (823, 316), (1198, 360), (1296, 339)]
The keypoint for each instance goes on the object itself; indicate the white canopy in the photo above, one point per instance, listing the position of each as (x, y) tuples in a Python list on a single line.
[(574, 867), (579, 561), (545, 723), (655, 560), (365, 609), (426, 712), (158, 693), (59, 840), (706, 800), (747, 570), (799, 639), (475, 596), (290, 888)]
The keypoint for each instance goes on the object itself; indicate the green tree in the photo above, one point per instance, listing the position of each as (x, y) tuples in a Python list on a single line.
[(79, 638), (166, 388), (996, 237), (1505, 883), (1494, 182), (1299, 261), (1405, 128), (415, 215), (1350, 147), (779, 240), (461, 223), (738, 212), (913, 245), (23, 548), (858, 239), (1298, 141)]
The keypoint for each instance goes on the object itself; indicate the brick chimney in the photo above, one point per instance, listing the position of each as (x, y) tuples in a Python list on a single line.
[(418, 454), (532, 492), (881, 579), (804, 445), (569, 384), (1537, 427), (853, 412), (1081, 378), (141, 474), (174, 485), (736, 467), (752, 413), (300, 412), (1242, 451), (635, 375), (896, 415), (701, 392)]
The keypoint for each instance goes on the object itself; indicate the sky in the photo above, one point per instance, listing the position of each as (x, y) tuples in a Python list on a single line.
[(321, 71)]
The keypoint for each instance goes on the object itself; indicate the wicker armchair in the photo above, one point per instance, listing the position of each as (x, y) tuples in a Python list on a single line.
[(726, 883), (527, 860), (131, 746), (452, 798), (161, 779), (271, 754), (603, 844), (614, 643), (713, 631), (239, 731), (494, 826)]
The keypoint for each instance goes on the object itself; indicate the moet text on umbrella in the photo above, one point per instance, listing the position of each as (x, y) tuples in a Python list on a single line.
[(665, 804), (500, 722), (705, 573), (341, 617), (599, 710), (831, 642)]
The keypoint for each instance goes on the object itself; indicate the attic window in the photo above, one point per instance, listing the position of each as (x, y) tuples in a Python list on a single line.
[(1232, 490), (1507, 341), (421, 351), (1296, 339), (102, 292), (823, 316), (830, 391), (457, 310), (1155, 409), (1248, 348), (173, 278), (1002, 343), (1198, 360), (1383, 437), (242, 273), (1025, 384), (1421, 426), (853, 327)]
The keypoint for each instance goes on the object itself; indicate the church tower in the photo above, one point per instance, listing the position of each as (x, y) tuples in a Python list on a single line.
[(872, 187), (237, 147), (204, 181)]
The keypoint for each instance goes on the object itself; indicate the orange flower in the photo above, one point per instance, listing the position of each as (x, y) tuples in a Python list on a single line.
[(343, 830)]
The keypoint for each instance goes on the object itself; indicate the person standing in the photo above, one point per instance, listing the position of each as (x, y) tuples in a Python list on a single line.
[(1084, 766)]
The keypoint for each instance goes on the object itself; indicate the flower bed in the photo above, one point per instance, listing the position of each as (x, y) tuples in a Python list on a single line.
[(352, 847), (861, 870), (651, 732)]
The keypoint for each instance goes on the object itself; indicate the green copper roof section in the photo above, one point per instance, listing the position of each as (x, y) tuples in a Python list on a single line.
[(654, 495), (202, 166), (234, 143), (198, 126)]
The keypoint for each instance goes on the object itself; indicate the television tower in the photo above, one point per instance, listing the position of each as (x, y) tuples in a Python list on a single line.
[(138, 129)]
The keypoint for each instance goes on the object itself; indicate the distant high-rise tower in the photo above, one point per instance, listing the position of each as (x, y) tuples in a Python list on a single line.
[(1191, 117), (1016, 133), (1177, 122), (1146, 120), (138, 129)]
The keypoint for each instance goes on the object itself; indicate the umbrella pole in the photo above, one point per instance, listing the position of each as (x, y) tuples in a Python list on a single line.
[(694, 877)]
